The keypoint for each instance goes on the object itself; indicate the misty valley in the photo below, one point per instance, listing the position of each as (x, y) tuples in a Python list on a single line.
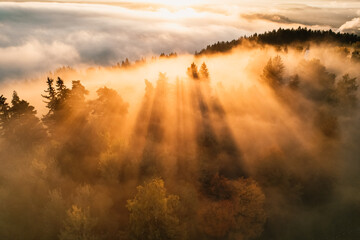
[(257, 138)]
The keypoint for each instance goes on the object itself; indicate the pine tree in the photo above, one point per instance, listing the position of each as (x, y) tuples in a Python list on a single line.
[(62, 91), (50, 95), (204, 72), (4, 114), (192, 71), (23, 128), (78, 92)]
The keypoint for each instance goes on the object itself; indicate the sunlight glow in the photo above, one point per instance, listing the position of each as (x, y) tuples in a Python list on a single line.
[(181, 3)]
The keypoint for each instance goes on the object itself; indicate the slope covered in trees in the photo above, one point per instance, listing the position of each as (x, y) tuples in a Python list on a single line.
[(260, 144), (286, 37)]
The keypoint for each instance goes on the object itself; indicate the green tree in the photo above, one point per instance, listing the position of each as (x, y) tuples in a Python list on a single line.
[(153, 213)]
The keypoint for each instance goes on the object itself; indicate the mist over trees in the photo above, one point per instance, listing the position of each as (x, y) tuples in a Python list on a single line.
[(281, 38), (193, 161)]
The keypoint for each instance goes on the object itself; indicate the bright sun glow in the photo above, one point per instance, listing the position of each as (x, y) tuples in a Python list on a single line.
[(173, 3)]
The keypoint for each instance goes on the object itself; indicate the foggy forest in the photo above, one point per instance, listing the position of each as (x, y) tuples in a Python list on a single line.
[(256, 138)]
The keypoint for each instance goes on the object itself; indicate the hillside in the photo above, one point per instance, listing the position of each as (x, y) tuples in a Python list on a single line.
[(285, 37)]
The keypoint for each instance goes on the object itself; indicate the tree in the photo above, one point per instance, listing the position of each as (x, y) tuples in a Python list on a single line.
[(50, 96), (153, 213), (75, 107), (54, 214), (108, 111), (78, 92), (62, 91), (109, 102), (55, 100), (346, 90), (319, 83), (4, 114), (125, 63), (22, 127), (239, 216), (273, 72), (192, 71), (79, 225), (216, 218), (249, 210), (294, 82), (204, 72)]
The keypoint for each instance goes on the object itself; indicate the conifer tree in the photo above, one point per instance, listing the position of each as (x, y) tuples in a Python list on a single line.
[(23, 127), (4, 114), (204, 72), (50, 95), (192, 71)]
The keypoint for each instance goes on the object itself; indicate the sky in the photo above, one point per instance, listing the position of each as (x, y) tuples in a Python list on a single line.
[(40, 36)]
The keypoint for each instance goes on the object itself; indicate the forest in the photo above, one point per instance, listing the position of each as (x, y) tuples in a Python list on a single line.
[(248, 143), (281, 38)]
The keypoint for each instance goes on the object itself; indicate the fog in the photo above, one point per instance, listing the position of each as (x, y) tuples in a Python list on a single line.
[(257, 143)]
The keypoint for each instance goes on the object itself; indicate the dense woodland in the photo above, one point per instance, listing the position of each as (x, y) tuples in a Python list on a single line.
[(177, 171), (300, 37)]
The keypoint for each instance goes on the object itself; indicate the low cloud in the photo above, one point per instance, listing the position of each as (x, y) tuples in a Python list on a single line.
[(90, 34), (33, 56), (268, 17), (352, 26)]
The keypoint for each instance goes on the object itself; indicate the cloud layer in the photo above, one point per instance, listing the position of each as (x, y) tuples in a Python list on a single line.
[(352, 26), (39, 37)]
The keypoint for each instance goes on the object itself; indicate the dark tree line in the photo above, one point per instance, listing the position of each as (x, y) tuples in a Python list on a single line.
[(284, 37)]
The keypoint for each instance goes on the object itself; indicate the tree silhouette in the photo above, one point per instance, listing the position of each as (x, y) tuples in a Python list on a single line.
[(50, 96), (346, 90), (78, 92), (285, 37), (19, 123), (62, 91), (204, 72), (192, 71), (108, 111), (4, 114), (125, 63), (273, 72), (55, 102)]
